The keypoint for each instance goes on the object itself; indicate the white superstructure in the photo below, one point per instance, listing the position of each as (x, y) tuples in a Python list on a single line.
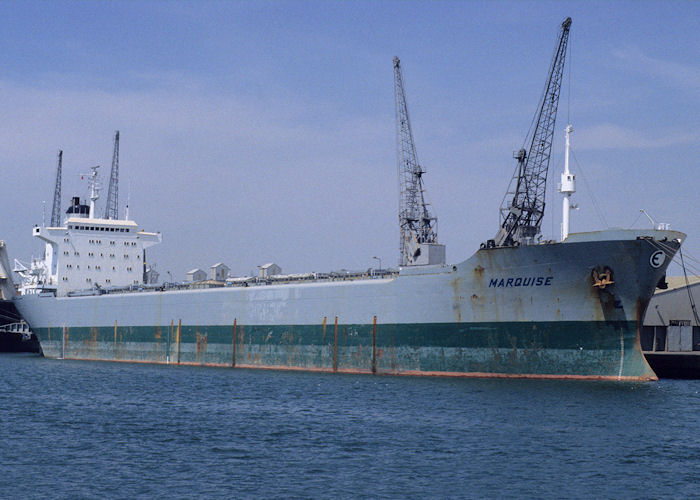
[(87, 252)]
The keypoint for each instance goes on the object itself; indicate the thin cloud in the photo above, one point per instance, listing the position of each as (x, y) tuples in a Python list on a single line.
[(34, 114), (611, 136), (680, 75), (276, 160)]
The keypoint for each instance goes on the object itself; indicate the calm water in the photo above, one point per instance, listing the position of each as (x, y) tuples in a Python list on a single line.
[(81, 429)]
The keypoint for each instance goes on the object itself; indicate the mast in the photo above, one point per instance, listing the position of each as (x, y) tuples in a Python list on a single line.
[(94, 190), (112, 205), (567, 188), (523, 205), (417, 225), (56, 212)]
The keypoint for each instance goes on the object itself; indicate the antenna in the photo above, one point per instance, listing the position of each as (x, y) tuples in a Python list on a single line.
[(128, 200), (112, 205), (56, 212)]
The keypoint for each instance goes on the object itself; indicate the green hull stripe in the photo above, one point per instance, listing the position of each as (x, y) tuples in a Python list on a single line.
[(605, 349)]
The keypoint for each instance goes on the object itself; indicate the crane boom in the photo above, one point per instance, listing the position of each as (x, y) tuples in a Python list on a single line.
[(56, 211), (523, 205), (112, 205), (418, 227)]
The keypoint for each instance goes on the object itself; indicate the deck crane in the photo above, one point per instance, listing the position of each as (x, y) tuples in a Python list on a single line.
[(56, 211), (523, 205), (112, 207), (418, 226)]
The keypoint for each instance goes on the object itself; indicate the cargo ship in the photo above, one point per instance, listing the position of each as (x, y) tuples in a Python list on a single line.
[(518, 307)]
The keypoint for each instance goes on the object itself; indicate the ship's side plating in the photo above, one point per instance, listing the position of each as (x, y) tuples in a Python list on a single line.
[(510, 311)]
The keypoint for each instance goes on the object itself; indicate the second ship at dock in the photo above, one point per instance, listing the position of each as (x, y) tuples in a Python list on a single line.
[(518, 307)]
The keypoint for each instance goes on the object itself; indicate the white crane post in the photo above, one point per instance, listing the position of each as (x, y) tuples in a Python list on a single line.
[(567, 187), (94, 190)]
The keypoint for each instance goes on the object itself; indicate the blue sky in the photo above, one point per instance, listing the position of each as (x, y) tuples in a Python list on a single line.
[(264, 131)]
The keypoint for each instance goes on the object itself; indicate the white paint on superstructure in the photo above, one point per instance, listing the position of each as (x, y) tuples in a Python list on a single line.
[(88, 252)]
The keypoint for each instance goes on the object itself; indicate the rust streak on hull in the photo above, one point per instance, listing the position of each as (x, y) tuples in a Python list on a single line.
[(233, 356)]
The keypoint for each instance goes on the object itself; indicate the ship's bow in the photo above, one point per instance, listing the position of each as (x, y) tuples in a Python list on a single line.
[(623, 280)]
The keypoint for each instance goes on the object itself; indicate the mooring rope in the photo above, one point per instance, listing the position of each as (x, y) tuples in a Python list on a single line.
[(687, 287)]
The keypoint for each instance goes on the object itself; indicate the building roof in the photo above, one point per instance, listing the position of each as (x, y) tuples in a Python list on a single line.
[(675, 282), (219, 264), (101, 222), (195, 270), (208, 284)]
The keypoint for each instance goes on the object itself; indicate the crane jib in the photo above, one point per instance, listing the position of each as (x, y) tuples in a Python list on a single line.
[(523, 206)]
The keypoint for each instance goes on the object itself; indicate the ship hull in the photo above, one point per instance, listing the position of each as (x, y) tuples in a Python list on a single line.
[(514, 312), (14, 341), (547, 350)]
